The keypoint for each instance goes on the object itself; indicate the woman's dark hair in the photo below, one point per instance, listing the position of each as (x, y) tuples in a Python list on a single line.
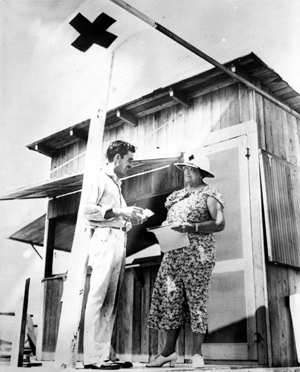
[(119, 147)]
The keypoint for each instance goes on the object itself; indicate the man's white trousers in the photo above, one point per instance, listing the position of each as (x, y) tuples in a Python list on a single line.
[(107, 253)]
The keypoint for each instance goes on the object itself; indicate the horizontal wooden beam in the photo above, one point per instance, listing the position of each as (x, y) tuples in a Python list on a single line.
[(179, 98), (46, 150), (79, 134), (127, 117), (114, 125)]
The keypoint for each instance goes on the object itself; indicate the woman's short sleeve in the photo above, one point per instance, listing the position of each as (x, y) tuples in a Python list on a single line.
[(212, 191), (172, 199)]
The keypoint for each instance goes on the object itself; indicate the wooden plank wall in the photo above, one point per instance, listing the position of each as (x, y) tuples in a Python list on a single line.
[(179, 128), (152, 184), (132, 339), (279, 134), (282, 282), (174, 129), (64, 206), (279, 131), (53, 288), (64, 156)]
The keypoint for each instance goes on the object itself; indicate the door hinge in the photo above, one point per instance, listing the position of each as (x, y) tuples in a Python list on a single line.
[(258, 338), (247, 152), (270, 160)]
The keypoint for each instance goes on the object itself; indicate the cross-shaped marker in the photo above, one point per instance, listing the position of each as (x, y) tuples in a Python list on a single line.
[(93, 32)]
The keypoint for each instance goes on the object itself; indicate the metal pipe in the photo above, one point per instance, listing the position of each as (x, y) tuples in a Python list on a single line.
[(204, 56)]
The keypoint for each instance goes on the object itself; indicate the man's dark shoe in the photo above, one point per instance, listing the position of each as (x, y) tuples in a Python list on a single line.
[(105, 365), (124, 364)]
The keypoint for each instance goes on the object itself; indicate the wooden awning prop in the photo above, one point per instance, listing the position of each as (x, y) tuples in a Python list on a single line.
[(280, 190), (73, 183), (33, 234)]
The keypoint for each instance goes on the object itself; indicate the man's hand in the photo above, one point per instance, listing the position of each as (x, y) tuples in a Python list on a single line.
[(129, 212)]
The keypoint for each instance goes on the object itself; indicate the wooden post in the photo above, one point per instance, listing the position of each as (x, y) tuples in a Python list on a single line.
[(19, 337), (49, 247), (40, 330), (67, 342)]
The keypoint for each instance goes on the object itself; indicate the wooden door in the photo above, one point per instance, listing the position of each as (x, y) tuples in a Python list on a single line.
[(231, 308)]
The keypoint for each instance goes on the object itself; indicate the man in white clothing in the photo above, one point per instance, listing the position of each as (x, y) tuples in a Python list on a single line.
[(108, 218)]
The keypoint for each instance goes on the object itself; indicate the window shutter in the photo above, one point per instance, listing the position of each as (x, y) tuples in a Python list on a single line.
[(280, 183)]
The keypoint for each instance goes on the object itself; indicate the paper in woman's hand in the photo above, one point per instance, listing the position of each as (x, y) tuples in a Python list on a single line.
[(169, 239)]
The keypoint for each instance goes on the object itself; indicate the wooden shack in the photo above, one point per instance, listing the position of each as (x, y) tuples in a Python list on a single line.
[(254, 149)]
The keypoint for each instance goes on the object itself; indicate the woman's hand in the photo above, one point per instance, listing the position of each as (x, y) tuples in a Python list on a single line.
[(185, 227), (217, 222)]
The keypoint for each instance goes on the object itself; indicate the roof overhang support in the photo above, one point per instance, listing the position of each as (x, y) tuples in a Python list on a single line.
[(79, 134), (204, 56), (43, 149), (179, 98), (127, 117), (36, 251)]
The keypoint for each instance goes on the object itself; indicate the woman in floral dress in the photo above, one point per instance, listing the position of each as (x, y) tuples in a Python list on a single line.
[(181, 288)]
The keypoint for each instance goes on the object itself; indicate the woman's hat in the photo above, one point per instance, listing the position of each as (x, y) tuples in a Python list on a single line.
[(198, 161)]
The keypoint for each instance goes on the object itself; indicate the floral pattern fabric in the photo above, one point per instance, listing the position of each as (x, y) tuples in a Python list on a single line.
[(181, 288)]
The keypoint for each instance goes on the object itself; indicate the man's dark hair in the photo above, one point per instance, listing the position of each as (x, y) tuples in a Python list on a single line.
[(119, 147)]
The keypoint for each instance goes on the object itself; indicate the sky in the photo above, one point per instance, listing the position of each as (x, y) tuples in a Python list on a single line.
[(38, 96)]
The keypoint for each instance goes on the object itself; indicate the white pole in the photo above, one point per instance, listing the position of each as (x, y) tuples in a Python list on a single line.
[(67, 342)]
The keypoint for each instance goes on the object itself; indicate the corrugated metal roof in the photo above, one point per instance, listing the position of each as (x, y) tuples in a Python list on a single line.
[(249, 66), (50, 188)]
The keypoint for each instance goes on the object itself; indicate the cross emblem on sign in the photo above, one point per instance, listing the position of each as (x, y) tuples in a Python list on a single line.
[(93, 32)]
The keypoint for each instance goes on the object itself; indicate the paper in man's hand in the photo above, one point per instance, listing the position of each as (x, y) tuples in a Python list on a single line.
[(144, 215), (147, 213)]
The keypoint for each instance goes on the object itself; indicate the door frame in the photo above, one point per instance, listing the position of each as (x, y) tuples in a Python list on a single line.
[(259, 350)]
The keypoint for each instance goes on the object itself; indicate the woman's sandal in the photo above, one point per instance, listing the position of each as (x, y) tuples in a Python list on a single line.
[(161, 360)]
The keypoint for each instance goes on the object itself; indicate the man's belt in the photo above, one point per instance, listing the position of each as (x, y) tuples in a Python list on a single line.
[(124, 229)]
